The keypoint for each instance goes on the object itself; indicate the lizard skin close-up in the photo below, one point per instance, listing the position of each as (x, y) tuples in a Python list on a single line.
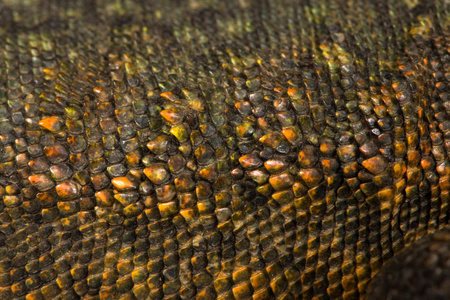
[(207, 149)]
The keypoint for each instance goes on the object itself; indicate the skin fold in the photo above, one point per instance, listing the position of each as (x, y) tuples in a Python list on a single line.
[(222, 149)]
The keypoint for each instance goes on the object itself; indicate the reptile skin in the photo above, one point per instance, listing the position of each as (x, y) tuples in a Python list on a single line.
[(202, 149)]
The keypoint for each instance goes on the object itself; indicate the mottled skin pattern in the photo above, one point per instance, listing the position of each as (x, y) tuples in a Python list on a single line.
[(420, 271), (218, 149)]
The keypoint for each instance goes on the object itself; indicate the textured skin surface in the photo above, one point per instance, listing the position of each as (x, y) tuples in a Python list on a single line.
[(218, 149), (420, 271)]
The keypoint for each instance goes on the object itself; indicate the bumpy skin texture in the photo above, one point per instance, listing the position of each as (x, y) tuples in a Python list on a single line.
[(420, 271), (218, 149)]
